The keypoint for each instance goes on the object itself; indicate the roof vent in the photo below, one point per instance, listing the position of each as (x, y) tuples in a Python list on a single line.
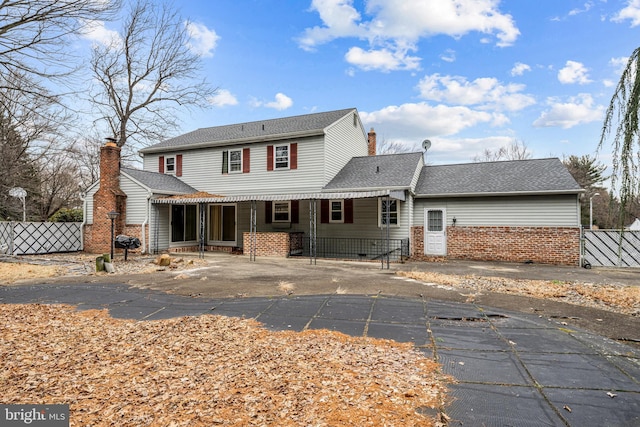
[(377, 169), (263, 126)]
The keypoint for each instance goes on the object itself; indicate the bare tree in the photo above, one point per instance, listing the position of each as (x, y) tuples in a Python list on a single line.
[(147, 74), (516, 150), (34, 36), (59, 186), (392, 147)]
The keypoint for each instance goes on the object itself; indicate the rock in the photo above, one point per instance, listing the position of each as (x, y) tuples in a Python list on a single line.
[(109, 268), (163, 260)]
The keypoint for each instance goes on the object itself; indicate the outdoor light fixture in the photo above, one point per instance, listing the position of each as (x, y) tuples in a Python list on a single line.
[(454, 221), (112, 216), (591, 210)]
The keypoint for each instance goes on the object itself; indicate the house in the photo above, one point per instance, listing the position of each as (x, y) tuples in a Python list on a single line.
[(312, 185)]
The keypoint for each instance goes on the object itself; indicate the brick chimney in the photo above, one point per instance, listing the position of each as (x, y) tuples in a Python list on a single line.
[(109, 197), (372, 142)]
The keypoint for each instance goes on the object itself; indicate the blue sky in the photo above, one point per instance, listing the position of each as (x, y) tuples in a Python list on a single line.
[(469, 75)]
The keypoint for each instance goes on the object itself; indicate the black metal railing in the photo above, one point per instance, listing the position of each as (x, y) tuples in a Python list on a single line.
[(359, 248)]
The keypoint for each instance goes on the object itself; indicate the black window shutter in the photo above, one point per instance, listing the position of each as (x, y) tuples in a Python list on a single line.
[(348, 211), (268, 208), (225, 162), (324, 211), (295, 211)]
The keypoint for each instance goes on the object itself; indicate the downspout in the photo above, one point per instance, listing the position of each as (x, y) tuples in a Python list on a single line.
[(83, 197), (145, 224)]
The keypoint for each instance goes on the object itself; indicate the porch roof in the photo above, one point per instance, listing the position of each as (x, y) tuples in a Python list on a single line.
[(215, 198)]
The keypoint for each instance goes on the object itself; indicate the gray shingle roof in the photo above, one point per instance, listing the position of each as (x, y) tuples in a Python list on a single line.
[(384, 171), (252, 131), (518, 176), (159, 182)]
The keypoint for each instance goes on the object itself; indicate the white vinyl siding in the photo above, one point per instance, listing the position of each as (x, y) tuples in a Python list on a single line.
[(342, 142), (202, 169), (89, 203), (534, 211), (136, 200)]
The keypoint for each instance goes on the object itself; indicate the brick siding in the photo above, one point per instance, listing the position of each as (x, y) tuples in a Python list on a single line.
[(543, 245), (269, 244)]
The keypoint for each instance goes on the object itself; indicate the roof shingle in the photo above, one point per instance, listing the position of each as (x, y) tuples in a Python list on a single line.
[(259, 130), (383, 171), (518, 176), (159, 182)]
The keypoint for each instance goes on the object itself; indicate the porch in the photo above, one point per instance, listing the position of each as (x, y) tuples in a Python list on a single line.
[(281, 225)]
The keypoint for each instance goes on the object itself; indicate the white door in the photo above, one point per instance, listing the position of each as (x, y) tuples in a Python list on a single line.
[(435, 238)]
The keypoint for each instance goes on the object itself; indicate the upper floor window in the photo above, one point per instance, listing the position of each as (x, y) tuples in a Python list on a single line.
[(236, 161), (281, 160), (170, 165), (388, 209), (283, 156)]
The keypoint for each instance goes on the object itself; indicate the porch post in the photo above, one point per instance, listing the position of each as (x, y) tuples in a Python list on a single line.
[(203, 219), (388, 230), (312, 231), (253, 230)]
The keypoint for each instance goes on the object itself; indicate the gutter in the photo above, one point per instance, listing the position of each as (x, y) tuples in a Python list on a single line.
[(503, 193), (227, 142), (83, 197), (145, 224)]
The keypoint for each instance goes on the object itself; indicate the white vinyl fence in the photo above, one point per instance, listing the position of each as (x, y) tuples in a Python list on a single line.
[(28, 238), (612, 248)]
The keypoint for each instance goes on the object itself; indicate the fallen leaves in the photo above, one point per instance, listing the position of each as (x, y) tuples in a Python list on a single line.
[(618, 298), (208, 370), (11, 272)]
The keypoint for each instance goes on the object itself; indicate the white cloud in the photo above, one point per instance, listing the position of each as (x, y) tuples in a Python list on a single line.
[(587, 6), (340, 19), (576, 111), (97, 32), (519, 68), (424, 120), (484, 92), (383, 60), (619, 63), (574, 72), (203, 40), (281, 102), (631, 12), (396, 26), (449, 55), (223, 98)]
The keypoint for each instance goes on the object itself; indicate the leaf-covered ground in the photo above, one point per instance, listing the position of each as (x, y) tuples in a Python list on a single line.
[(209, 370)]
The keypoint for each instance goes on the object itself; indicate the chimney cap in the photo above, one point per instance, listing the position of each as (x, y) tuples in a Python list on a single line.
[(110, 141)]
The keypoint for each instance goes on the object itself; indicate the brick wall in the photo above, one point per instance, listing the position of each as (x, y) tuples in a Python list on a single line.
[(269, 244), (109, 197), (543, 245)]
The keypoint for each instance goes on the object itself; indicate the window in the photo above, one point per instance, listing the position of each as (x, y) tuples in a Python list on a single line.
[(281, 211), (281, 160), (222, 223), (336, 213), (170, 165), (390, 207), (184, 220), (235, 161), (434, 220)]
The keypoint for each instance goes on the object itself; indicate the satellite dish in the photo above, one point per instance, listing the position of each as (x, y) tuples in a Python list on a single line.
[(426, 144)]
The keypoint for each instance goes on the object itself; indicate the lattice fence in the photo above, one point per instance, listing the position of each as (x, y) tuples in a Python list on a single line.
[(612, 248), (28, 238)]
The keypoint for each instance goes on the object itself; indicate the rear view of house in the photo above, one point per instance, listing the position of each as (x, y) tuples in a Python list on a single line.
[(313, 185)]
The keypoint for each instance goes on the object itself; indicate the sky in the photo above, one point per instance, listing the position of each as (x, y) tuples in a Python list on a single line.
[(468, 75)]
